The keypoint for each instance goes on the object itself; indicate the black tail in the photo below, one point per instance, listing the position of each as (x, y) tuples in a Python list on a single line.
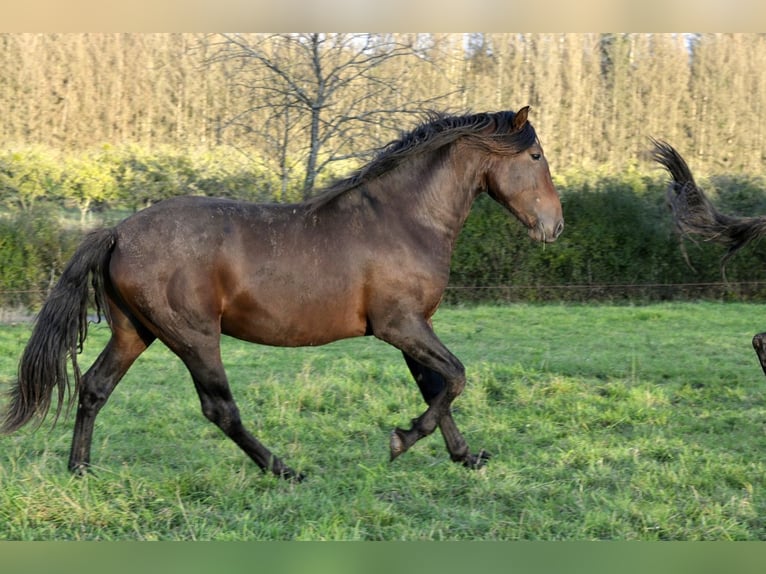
[(60, 330), (695, 214)]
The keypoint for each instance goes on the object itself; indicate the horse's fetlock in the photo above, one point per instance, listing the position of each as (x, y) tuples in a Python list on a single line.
[(461, 455)]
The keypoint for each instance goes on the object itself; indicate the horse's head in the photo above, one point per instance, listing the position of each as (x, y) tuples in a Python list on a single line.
[(521, 181)]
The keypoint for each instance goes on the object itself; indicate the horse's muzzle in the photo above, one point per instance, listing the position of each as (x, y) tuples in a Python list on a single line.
[(547, 232)]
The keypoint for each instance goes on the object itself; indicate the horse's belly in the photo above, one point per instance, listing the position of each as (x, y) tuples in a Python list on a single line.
[(294, 323)]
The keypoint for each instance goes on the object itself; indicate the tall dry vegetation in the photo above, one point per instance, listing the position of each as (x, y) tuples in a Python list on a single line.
[(596, 97)]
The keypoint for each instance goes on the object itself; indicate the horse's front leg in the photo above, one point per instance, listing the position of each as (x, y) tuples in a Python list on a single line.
[(759, 344), (431, 385), (446, 380)]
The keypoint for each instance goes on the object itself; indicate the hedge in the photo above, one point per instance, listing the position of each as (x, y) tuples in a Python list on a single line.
[(619, 243), (34, 248)]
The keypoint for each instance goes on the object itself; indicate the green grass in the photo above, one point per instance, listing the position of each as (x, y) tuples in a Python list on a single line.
[(605, 422)]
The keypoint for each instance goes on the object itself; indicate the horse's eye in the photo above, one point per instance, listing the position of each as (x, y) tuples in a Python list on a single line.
[(536, 156)]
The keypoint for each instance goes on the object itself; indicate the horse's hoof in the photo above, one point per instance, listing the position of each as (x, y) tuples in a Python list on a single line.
[(80, 470), (476, 461), (396, 444), (290, 475)]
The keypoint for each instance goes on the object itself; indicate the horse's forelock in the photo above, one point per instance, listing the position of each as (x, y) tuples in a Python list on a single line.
[(509, 140)]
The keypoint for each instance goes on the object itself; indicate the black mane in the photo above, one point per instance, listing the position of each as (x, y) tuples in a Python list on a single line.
[(437, 131)]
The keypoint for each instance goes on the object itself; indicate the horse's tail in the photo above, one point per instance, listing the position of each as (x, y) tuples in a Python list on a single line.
[(694, 213), (60, 330)]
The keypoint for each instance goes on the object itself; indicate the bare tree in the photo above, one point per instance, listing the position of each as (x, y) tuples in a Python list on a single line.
[(317, 97)]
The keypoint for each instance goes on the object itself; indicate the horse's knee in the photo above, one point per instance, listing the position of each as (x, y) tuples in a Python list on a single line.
[(759, 343), (457, 382), (223, 414)]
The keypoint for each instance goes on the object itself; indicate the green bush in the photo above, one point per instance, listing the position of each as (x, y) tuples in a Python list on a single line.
[(34, 248), (619, 243), (87, 181), (222, 174), (27, 176)]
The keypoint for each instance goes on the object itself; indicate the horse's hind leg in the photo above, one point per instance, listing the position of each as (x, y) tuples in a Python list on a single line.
[(759, 344), (431, 384), (204, 363), (126, 344)]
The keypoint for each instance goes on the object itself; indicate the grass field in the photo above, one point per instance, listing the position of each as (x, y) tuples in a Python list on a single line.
[(605, 422)]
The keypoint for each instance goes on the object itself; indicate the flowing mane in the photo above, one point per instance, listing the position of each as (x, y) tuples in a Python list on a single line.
[(436, 132)]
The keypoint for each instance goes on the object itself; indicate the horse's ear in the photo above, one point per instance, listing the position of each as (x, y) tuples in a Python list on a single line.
[(521, 118)]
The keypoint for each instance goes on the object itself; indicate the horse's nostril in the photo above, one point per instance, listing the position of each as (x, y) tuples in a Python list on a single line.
[(559, 228)]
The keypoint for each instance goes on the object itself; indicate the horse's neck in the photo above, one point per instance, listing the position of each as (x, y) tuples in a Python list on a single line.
[(432, 191)]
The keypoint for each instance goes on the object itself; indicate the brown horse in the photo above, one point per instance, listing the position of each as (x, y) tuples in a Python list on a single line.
[(368, 256), (694, 213)]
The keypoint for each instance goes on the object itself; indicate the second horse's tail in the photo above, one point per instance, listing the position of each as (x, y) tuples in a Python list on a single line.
[(59, 332), (694, 213)]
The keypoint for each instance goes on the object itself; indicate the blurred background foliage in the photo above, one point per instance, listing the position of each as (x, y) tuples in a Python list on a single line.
[(97, 126)]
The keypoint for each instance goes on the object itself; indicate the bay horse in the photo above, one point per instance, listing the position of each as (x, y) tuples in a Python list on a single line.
[(694, 213), (369, 255)]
